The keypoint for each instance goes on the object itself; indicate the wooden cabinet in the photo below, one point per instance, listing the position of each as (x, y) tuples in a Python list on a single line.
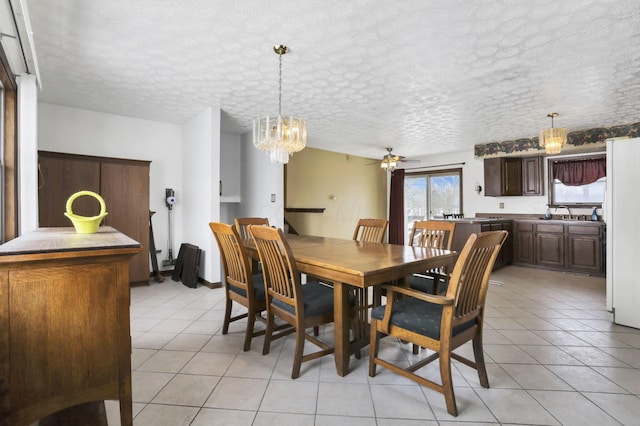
[(468, 227), (124, 185), (502, 176), (584, 248), (513, 176), (523, 242), (549, 245), (571, 247), (532, 176), (64, 320)]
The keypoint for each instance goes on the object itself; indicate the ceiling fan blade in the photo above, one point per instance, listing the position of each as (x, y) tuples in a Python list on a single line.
[(409, 161)]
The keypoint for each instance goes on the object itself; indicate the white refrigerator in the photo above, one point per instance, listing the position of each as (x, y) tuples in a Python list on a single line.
[(622, 214)]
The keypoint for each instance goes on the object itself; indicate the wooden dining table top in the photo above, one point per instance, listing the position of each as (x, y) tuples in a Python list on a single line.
[(362, 264)]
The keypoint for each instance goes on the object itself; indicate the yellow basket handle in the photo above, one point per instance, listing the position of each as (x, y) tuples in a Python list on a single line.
[(103, 206)]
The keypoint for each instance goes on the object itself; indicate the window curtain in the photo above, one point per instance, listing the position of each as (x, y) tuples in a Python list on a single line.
[(580, 172), (396, 208)]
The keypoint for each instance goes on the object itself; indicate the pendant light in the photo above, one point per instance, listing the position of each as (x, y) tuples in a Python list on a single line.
[(280, 136)]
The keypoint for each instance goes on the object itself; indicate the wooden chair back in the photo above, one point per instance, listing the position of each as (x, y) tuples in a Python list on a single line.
[(432, 233), (235, 262), (453, 215), (282, 280), (370, 230), (243, 223), (470, 278)]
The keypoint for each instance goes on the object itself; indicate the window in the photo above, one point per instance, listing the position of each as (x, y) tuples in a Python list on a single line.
[(577, 182), (429, 195)]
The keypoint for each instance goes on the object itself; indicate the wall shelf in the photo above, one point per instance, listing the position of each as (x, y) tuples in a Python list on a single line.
[(304, 210)]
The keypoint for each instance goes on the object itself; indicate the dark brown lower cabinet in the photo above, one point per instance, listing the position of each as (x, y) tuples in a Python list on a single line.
[(463, 230), (550, 245), (571, 247)]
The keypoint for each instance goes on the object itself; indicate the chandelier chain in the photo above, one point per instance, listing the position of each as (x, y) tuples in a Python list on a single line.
[(280, 86)]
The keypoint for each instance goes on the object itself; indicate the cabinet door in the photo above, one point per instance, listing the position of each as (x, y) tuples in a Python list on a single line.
[(524, 248), (585, 252), (59, 178), (550, 249), (125, 189), (532, 176), (512, 176), (502, 176)]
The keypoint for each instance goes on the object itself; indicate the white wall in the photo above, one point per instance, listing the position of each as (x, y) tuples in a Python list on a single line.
[(76, 131), (201, 196), (261, 179), (27, 153)]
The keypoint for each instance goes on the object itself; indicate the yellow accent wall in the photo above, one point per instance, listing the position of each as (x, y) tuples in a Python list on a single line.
[(313, 176)]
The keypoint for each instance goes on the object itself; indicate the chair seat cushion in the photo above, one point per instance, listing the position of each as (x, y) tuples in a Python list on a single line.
[(419, 317), (317, 299), (258, 287), (425, 284)]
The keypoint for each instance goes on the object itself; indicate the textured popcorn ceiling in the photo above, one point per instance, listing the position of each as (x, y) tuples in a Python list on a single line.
[(419, 76)]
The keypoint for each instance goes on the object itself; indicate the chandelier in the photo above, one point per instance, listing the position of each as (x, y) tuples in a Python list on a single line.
[(553, 139), (279, 136)]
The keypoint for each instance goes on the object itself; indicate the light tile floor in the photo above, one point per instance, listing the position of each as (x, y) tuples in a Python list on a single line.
[(554, 358)]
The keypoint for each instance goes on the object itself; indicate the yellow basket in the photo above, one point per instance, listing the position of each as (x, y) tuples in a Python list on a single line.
[(83, 224)]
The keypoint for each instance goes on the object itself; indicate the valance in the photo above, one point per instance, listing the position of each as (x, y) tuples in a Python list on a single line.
[(579, 172)]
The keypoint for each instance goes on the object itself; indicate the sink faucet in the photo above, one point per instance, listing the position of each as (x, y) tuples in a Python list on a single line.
[(568, 210)]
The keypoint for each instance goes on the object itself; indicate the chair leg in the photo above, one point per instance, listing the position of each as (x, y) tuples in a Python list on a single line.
[(251, 319), (374, 346), (316, 331), (297, 359), (478, 353), (227, 316), (267, 334), (447, 381)]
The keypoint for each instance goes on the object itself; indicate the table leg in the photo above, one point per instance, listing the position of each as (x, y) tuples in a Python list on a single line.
[(341, 324)]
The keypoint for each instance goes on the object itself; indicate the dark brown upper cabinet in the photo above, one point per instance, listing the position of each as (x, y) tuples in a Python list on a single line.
[(502, 176), (513, 176)]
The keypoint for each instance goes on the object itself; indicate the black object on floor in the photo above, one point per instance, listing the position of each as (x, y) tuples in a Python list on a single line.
[(187, 265)]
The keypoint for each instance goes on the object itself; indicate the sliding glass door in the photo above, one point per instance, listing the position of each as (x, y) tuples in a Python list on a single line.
[(430, 195)]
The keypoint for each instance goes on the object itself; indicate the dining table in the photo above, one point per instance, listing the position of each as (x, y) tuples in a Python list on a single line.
[(355, 265)]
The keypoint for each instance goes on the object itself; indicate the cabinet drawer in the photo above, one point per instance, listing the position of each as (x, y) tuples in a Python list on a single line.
[(550, 228), (583, 230), (524, 226)]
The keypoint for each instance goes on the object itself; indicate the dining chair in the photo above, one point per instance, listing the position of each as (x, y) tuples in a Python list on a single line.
[(441, 323), (435, 234), (242, 225), (370, 230), (242, 286), (301, 306)]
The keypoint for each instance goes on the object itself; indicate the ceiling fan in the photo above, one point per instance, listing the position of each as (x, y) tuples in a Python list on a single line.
[(390, 161)]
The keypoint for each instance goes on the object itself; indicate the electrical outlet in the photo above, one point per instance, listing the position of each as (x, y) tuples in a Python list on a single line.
[(501, 205)]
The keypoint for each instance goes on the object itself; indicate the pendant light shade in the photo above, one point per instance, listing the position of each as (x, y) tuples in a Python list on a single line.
[(553, 139)]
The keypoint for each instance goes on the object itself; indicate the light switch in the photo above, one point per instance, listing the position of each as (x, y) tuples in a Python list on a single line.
[(273, 198)]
